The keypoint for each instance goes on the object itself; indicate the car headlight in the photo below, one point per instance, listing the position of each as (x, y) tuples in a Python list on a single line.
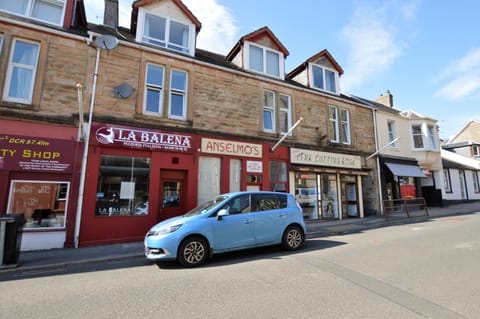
[(164, 230)]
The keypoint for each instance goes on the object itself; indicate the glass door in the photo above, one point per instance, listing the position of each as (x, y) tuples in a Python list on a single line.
[(172, 194)]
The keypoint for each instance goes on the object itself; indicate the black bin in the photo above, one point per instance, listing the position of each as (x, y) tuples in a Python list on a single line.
[(13, 237)]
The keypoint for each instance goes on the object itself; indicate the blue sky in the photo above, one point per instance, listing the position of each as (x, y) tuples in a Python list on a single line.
[(425, 52)]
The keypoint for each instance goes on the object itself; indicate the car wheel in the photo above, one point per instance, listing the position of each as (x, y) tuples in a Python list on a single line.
[(293, 238), (193, 252)]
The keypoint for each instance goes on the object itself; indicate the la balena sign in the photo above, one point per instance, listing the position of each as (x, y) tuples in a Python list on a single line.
[(142, 139)]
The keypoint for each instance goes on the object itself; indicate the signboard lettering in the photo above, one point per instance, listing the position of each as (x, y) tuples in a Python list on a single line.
[(308, 157)]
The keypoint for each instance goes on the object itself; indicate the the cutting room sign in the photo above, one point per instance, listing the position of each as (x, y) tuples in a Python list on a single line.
[(142, 139)]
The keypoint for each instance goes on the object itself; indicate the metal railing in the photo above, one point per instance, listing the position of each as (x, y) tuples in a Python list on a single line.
[(404, 205)]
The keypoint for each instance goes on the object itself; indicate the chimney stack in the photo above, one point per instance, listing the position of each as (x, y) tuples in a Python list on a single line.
[(385, 99), (110, 16)]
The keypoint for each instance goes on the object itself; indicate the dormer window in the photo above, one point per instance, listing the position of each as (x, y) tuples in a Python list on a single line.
[(167, 33), (324, 79), (264, 60), (50, 11)]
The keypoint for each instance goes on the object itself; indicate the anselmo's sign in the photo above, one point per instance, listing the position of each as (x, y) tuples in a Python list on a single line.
[(308, 157)]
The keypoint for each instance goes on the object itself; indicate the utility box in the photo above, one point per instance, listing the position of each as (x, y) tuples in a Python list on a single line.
[(11, 229)]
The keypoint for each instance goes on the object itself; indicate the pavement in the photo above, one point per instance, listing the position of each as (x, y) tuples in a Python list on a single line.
[(58, 259)]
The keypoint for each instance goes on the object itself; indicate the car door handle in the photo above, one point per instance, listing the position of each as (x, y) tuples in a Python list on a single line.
[(247, 221)]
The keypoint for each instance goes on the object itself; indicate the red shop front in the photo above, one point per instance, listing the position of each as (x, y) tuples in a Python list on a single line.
[(38, 165), (135, 178)]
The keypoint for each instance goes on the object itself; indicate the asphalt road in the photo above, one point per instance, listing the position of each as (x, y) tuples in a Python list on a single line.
[(421, 270)]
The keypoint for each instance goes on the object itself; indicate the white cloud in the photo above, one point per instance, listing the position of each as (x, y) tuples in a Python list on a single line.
[(372, 42), (462, 76), (219, 31)]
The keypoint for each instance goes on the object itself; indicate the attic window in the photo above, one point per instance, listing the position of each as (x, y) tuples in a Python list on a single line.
[(264, 60), (50, 11), (167, 33), (324, 79)]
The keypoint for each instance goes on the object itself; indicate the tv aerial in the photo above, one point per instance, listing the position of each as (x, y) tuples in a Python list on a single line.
[(106, 42)]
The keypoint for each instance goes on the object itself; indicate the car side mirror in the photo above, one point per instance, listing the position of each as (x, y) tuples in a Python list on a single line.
[(221, 213)]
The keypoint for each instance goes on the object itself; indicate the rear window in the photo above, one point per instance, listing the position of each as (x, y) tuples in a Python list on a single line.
[(261, 202)]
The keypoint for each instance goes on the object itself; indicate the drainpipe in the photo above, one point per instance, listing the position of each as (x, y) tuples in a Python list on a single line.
[(86, 139), (374, 114)]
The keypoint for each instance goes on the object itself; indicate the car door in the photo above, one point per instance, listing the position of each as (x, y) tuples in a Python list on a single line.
[(234, 228), (269, 216)]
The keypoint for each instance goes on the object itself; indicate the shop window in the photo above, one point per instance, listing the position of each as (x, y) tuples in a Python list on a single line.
[(278, 176), (208, 178), (122, 187), (43, 203), (235, 173), (21, 71), (50, 11)]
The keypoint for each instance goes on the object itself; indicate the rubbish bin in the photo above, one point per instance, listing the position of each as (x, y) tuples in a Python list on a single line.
[(11, 227)]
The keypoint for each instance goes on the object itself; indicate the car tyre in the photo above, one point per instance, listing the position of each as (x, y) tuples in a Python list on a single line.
[(293, 238), (193, 252)]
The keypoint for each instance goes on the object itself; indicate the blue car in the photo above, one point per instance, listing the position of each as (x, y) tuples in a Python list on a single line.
[(229, 222)]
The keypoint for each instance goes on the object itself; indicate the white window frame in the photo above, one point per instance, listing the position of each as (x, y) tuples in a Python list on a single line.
[(30, 7), (338, 123), (12, 66), (476, 184), (154, 87), (323, 86), (141, 37), (265, 50), (178, 92), (432, 140), (271, 110), (418, 134), (447, 181), (287, 110), (476, 151), (1, 44), (391, 131)]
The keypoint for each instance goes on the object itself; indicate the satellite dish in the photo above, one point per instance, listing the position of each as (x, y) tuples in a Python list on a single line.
[(122, 91), (106, 42)]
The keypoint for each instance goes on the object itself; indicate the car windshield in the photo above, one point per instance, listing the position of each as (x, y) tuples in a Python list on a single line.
[(206, 206)]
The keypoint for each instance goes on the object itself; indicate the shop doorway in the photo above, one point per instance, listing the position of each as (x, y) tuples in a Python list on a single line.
[(349, 196), (172, 193)]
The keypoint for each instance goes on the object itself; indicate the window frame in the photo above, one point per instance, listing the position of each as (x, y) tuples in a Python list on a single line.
[(476, 182), (287, 110), (178, 92), (166, 41), (324, 85), (391, 133), (265, 60), (13, 65), (417, 136), (337, 123), (431, 137), (154, 87), (31, 5), (277, 111), (447, 182), (271, 110)]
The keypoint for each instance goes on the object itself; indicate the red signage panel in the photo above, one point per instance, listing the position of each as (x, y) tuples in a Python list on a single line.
[(36, 154)]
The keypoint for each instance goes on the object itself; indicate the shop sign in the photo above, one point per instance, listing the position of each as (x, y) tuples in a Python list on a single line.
[(254, 167), (225, 147), (308, 157), (142, 139), (36, 154)]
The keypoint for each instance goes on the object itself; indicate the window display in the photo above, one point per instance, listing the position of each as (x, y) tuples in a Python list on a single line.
[(43, 203), (122, 187)]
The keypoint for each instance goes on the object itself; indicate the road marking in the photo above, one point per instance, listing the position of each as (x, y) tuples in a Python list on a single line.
[(394, 294)]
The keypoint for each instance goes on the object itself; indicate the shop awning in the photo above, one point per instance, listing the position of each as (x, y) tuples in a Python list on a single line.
[(405, 170)]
